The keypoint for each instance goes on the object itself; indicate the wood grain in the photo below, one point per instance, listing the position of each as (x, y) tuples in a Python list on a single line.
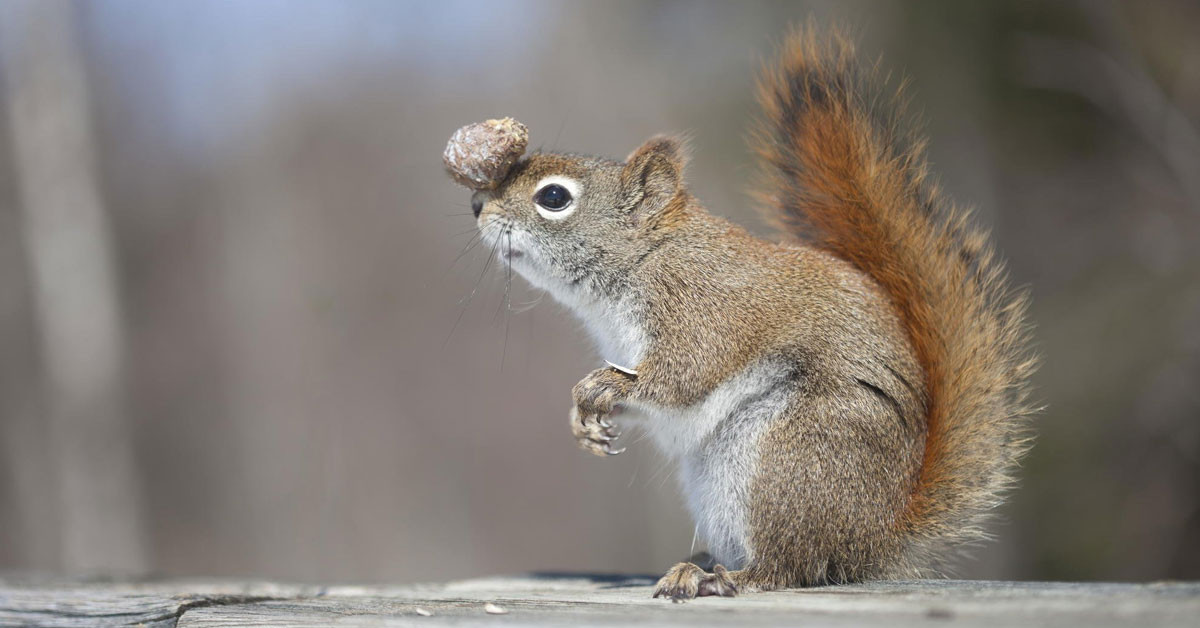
[(591, 600)]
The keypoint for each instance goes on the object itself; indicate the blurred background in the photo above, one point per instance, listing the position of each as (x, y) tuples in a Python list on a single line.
[(237, 336)]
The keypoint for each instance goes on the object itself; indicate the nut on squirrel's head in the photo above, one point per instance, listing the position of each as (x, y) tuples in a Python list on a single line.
[(570, 224), (480, 155)]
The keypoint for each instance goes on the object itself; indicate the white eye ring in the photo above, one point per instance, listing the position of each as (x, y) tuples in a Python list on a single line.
[(572, 186)]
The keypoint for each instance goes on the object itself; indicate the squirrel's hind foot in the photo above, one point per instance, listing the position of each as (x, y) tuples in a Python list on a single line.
[(686, 581)]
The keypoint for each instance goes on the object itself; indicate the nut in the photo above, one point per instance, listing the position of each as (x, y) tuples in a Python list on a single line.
[(480, 155)]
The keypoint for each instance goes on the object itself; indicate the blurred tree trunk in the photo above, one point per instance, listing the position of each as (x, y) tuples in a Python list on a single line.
[(66, 238)]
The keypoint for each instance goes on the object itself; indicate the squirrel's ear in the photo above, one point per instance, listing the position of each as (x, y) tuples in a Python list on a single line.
[(653, 175)]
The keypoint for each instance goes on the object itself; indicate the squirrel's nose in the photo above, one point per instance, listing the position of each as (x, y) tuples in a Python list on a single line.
[(477, 203)]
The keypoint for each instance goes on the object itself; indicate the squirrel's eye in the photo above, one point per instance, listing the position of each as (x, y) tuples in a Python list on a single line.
[(553, 197), (556, 196)]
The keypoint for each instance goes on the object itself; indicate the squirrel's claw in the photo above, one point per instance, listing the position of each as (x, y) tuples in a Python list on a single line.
[(594, 433), (597, 397)]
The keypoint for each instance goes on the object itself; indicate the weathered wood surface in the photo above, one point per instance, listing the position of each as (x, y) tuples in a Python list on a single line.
[(580, 600)]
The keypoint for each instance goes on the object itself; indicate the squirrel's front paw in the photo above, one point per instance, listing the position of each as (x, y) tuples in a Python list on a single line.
[(591, 419)]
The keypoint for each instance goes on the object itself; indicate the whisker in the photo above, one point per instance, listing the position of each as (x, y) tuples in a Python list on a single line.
[(529, 305), (506, 237), (633, 478), (486, 265), (508, 280), (467, 302), (465, 232), (659, 473), (562, 125), (471, 244), (529, 346), (507, 287)]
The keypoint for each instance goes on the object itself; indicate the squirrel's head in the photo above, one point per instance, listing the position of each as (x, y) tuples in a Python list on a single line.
[(578, 226)]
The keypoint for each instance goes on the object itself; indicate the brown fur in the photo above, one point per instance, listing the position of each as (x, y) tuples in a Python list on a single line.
[(892, 350)]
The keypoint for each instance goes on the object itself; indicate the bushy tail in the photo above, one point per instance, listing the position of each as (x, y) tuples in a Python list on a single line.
[(843, 172)]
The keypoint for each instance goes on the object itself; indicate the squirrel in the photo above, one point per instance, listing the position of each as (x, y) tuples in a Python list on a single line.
[(846, 404)]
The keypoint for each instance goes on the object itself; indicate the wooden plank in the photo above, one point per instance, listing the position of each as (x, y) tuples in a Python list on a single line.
[(582, 600), (43, 602)]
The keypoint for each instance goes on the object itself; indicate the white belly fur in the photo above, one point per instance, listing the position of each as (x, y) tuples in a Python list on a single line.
[(715, 444)]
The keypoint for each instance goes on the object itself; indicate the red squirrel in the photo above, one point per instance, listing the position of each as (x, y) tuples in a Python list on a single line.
[(847, 404)]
